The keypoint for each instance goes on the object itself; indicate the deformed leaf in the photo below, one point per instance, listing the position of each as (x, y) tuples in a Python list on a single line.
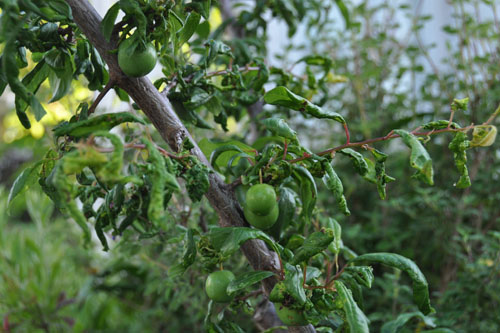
[(246, 280), (334, 184), (91, 125), (458, 146), (419, 158), (420, 286), (460, 104), (283, 97), (362, 274), (280, 128), (336, 245), (355, 318), (313, 244), (483, 135), (294, 283), (358, 160)]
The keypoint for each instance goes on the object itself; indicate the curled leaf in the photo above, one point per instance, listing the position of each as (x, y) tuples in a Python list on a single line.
[(483, 135), (419, 158)]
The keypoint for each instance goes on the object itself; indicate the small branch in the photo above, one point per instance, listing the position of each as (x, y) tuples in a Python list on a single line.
[(496, 113), (382, 138), (101, 95), (347, 135)]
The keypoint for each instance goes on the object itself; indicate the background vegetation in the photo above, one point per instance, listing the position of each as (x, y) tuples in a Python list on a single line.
[(48, 282)]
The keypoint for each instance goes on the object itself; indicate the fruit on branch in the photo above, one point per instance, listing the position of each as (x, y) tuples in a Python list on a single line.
[(216, 285), (135, 57), (260, 208)]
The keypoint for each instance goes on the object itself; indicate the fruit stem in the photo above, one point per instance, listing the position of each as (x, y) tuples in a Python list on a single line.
[(107, 87)]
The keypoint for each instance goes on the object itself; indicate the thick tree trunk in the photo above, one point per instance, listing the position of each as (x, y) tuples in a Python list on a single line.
[(159, 110)]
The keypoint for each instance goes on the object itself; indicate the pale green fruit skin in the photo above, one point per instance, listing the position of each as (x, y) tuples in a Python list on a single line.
[(290, 317), (261, 199), (216, 285), (262, 222), (138, 63)]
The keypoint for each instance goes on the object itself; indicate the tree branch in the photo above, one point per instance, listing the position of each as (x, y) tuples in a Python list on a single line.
[(161, 113)]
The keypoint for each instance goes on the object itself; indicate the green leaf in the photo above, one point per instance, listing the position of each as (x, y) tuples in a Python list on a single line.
[(355, 318), (217, 152), (395, 325), (188, 29), (376, 172), (439, 124), (459, 104), (313, 244), (286, 205), (61, 7), (308, 191), (189, 255), (228, 240), (108, 22), (60, 80), (246, 280), (420, 286), (89, 126), (483, 135), (336, 245), (357, 159), (32, 82), (419, 158), (294, 283), (458, 146), (207, 146), (25, 179), (334, 184), (133, 10), (280, 128), (362, 274), (344, 11), (283, 97)]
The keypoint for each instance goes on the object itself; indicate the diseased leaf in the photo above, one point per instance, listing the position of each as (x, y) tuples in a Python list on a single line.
[(439, 124), (395, 325), (362, 274), (208, 146), (337, 244), (246, 280), (91, 125), (280, 128), (283, 97), (458, 146), (313, 244), (483, 135), (419, 158), (294, 283), (355, 318), (420, 286), (376, 172), (286, 205), (334, 184), (460, 104), (357, 159)]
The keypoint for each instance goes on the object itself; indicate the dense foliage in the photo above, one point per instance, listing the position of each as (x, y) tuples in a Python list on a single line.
[(354, 241)]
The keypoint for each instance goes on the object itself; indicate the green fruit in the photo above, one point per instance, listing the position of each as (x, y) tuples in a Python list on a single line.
[(138, 61), (289, 316), (216, 286), (261, 199), (261, 222)]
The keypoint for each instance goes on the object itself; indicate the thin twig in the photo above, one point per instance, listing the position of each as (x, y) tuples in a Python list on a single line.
[(101, 95)]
